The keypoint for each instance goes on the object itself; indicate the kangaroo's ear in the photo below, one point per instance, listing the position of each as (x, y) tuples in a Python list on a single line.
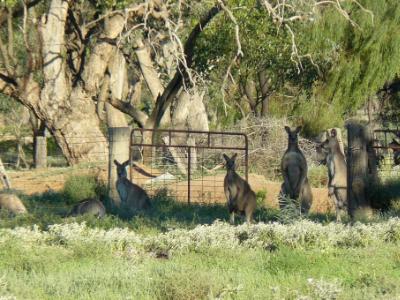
[(287, 128), (234, 156), (299, 128), (116, 162), (125, 163), (225, 157)]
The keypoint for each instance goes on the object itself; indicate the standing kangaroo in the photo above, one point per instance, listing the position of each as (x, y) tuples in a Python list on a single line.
[(132, 195), (337, 172), (294, 171), (241, 199)]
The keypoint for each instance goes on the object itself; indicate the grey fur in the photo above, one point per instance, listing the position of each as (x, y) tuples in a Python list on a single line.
[(88, 206), (294, 171), (241, 198), (337, 172), (132, 196), (12, 203)]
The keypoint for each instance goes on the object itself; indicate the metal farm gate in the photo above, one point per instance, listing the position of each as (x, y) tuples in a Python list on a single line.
[(188, 165), (387, 150)]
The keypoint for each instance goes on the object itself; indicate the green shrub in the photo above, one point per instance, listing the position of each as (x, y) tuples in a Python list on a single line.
[(318, 176), (77, 188), (260, 196)]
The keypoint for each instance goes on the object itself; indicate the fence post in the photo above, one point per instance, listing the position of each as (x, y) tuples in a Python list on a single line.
[(40, 158), (4, 177), (119, 150), (357, 167)]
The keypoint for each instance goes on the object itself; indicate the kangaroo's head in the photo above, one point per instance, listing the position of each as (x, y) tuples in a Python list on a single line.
[(230, 162), (331, 143), (293, 135), (121, 168)]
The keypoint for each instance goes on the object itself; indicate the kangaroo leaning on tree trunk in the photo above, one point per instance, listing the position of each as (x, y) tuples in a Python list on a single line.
[(241, 198), (337, 172), (294, 171), (132, 196)]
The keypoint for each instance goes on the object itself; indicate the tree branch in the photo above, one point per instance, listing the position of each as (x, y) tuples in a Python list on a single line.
[(19, 11), (149, 73), (10, 35), (165, 99), (139, 116), (6, 58), (7, 80)]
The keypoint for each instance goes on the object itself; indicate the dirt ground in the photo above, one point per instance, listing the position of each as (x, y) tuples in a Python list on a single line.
[(209, 189)]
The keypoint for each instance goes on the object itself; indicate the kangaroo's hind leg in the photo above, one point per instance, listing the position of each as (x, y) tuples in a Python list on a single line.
[(332, 196), (341, 202)]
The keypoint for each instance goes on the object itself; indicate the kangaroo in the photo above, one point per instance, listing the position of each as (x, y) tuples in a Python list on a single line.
[(294, 171), (241, 198), (337, 173), (88, 206), (132, 195), (12, 203)]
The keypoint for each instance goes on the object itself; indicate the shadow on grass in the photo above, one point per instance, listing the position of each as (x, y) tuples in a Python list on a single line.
[(385, 196), (166, 213)]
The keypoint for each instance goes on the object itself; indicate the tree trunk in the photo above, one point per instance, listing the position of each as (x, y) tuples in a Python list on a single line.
[(118, 84), (70, 115), (77, 130), (357, 165)]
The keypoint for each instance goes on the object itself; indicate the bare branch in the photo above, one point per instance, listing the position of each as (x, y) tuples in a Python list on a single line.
[(139, 117), (283, 14), (149, 72), (19, 10), (6, 58), (26, 39), (164, 100), (239, 52), (10, 35)]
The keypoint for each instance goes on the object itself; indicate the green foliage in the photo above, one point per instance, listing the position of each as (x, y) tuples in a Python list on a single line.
[(260, 197), (365, 57), (318, 176), (80, 187)]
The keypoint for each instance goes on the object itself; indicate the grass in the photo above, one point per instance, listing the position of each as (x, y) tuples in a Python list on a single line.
[(58, 272), (62, 267)]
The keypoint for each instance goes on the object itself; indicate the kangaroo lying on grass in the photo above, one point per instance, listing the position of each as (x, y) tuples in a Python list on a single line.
[(241, 199), (88, 206), (294, 171), (12, 203), (132, 196), (337, 172)]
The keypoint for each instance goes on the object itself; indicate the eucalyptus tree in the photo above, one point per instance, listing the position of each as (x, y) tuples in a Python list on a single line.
[(68, 62), (77, 63)]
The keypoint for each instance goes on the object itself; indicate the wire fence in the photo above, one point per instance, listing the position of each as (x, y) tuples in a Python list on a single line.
[(188, 165), (387, 150), (18, 161)]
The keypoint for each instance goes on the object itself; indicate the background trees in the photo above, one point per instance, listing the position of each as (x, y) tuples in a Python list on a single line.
[(80, 66)]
